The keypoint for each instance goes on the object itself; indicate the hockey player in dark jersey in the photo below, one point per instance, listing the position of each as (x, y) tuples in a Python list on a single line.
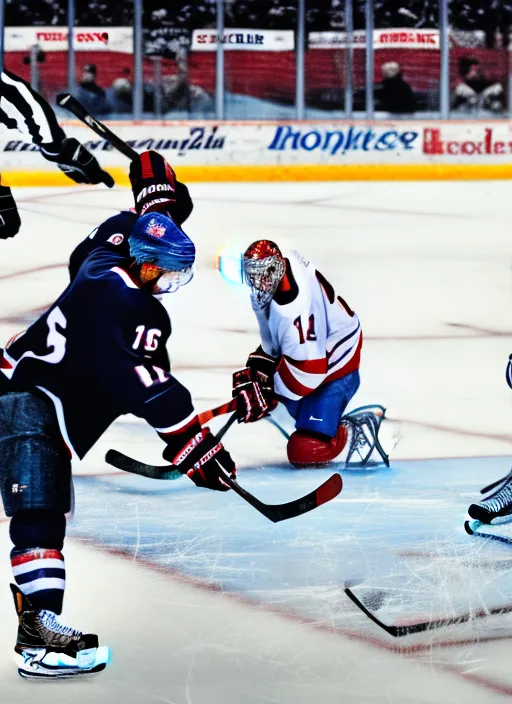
[(97, 353), (155, 189), (23, 109)]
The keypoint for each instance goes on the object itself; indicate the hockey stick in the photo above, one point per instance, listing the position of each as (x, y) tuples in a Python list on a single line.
[(67, 101), (274, 512), (230, 406), (206, 416), (409, 629), (127, 464)]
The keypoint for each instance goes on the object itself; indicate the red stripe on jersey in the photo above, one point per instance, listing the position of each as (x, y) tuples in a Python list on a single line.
[(147, 167), (351, 366), (290, 381), (310, 366), (40, 554), (4, 364)]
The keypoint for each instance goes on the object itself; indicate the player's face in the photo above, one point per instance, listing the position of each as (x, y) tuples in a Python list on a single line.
[(170, 281)]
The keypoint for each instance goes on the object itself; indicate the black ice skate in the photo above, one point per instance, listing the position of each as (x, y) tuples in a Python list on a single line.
[(364, 422), (497, 507), (46, 648)]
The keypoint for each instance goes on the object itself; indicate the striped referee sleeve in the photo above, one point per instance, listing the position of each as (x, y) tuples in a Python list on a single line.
[(23, 109)]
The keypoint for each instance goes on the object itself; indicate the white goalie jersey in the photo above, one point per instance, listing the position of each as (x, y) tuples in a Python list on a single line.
[(314, 332)]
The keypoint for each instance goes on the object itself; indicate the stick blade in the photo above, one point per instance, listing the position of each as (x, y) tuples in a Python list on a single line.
[(392, 630), (324, 493), (127, 464), (329, 490), (119, 461)]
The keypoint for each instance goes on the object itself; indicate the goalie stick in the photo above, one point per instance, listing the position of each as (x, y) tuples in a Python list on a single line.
[(67, 101), (410, 628), (274, 512)]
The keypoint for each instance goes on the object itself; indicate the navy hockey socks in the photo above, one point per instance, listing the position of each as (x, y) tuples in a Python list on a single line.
[(41, 576)]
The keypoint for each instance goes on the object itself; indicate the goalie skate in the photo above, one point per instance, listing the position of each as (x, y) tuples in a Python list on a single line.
[(363, 425), (46, 648)]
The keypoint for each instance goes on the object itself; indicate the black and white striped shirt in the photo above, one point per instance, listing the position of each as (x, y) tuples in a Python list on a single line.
[(23, 109)]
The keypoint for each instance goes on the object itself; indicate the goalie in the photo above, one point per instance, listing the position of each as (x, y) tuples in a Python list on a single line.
[(308, 358)]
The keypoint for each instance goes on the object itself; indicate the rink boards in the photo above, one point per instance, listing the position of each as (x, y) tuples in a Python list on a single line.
[(288, 151)]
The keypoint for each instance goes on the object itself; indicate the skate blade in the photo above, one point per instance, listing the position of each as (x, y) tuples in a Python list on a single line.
[(471, 527), (37, 663), (495, 532)]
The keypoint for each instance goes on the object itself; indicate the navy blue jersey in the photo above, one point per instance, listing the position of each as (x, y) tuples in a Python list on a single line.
[(100, 352), (114, 232), (111, 235)]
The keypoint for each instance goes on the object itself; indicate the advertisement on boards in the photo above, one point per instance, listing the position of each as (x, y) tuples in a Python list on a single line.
[(267, 150)]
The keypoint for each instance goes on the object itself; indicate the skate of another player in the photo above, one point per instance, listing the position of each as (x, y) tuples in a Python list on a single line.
[(427, 267)]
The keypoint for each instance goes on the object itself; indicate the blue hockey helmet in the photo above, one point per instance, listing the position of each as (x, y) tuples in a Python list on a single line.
[(156, 239)]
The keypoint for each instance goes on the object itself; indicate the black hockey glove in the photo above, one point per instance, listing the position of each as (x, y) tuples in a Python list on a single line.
[(153, 183), (201, 459), (76, 162), (263, 367), (10, 222), (254, 396)]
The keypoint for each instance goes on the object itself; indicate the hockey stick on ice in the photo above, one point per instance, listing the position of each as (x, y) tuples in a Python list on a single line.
[(274, 512), (67, 101), (411, 628)]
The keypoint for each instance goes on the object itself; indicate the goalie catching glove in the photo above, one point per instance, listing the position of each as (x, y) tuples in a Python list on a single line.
[(253, 387), (202, 459), (76, 162)]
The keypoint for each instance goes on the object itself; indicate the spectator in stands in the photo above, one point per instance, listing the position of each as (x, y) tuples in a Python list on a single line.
[(474, 91), (394, 94), (122, 90), (91, 94), (181, 95)]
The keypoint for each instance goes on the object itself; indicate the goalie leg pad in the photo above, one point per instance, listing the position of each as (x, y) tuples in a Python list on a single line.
[(307, 449), (321, 411)]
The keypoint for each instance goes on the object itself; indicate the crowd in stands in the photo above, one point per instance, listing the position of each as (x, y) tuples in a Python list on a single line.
[(168, 26), (321, 15)]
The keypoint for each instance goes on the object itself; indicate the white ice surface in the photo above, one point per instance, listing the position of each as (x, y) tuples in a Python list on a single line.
[(428, 269)]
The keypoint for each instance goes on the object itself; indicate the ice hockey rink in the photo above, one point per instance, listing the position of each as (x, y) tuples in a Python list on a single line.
[(204, 601)]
